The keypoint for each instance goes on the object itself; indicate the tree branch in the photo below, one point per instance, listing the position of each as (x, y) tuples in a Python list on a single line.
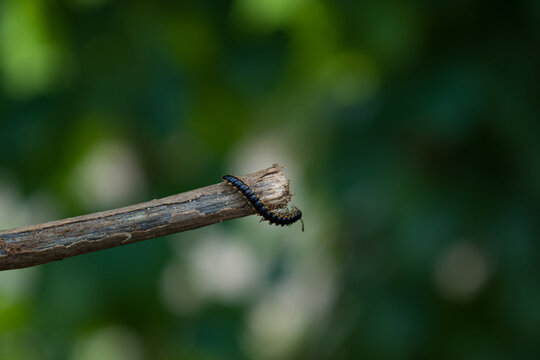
[(56, 240)]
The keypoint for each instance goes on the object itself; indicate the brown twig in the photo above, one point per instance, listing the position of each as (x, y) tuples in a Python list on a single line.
[(56, 240)]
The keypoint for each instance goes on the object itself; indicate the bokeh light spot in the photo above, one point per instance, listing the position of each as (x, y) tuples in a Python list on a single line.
[(225, 270), (31, 60), (109, 343), (109, 175), (267, 13), (461, 271)]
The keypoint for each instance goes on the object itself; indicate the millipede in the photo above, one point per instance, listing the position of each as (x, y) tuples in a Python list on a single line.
[(274, 217)]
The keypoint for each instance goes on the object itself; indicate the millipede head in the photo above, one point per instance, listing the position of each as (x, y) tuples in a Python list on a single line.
[(296, 211)]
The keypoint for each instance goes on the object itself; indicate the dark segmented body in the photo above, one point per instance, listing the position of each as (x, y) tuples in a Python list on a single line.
[(259, 206)]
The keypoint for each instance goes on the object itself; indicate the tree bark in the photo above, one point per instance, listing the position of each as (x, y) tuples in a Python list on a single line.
[(56, 240)]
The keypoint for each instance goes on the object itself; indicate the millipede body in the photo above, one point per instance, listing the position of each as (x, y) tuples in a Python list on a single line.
[(277, 218)]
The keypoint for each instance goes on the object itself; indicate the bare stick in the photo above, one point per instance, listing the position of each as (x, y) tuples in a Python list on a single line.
[(56, 240)]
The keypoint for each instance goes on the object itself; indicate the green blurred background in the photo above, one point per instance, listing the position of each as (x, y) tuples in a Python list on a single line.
[(409, 131)]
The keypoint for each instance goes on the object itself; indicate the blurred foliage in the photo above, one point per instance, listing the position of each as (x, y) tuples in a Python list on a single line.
[(410, 132)]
